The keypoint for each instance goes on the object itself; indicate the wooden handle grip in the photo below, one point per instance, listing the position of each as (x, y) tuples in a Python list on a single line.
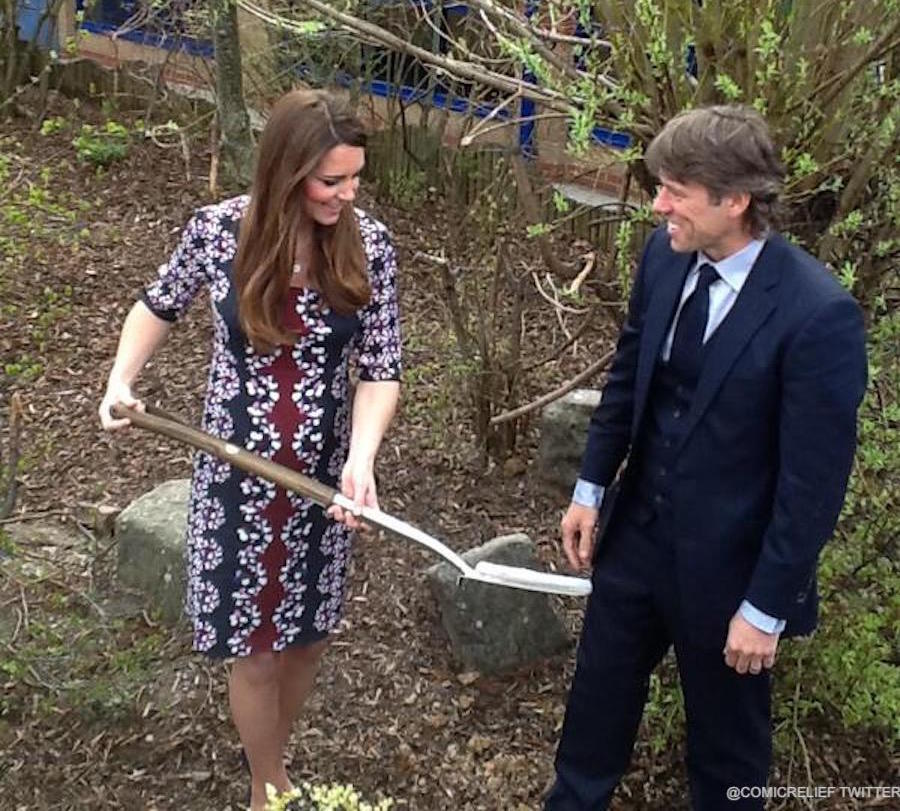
[(160, 422)]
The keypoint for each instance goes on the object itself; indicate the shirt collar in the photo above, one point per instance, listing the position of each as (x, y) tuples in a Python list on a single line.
[(735, 269)]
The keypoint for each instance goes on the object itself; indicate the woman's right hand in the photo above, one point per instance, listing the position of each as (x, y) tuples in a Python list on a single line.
[(117, 392)]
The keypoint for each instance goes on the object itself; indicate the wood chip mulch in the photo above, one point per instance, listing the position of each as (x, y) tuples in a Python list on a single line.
[(101, 707)]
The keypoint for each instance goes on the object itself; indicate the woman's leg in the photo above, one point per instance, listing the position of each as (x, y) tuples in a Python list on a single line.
[(297, 671), (253, 691)]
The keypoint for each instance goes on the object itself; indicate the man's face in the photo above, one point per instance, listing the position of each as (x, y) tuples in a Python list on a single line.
[(696, 223)]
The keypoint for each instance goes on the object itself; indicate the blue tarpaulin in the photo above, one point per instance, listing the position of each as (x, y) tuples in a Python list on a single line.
[(34, 25)]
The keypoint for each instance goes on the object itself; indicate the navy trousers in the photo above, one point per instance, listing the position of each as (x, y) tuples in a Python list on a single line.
[(631, 620)]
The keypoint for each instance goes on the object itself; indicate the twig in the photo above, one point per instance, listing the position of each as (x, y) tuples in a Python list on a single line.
[(554, 300), (567, 69), (40, 680), (105, 551), (24, 606), (467, 139), (559, 307), (18, 627), (839, 81), (528, 27), (464, 337), (77, 593), (556, 393), (430, 257), (213, 159), (796, 726), (10, 188), (15, 452), (558, 352), (574, 287), (35, 516)]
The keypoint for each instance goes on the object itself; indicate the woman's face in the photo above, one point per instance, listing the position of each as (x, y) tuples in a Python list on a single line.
[(333, 183)]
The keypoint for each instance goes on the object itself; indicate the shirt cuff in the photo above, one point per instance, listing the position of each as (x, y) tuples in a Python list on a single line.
[(760, 620), (588, 494)]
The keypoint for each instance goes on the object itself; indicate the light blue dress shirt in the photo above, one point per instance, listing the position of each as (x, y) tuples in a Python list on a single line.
[(733, 272)]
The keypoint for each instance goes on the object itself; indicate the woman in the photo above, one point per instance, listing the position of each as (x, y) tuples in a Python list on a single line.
[(299, 284)]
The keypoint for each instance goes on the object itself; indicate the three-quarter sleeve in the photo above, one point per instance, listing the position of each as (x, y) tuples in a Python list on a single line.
[(379, 343), (181, 278)]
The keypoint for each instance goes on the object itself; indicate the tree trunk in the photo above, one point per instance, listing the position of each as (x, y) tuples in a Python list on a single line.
[(236, 153), (11, 50)]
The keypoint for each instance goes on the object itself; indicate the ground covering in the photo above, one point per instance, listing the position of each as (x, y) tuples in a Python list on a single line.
[(102, 706)]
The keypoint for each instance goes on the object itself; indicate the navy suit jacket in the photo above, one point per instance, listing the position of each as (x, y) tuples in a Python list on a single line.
[(762, 466)]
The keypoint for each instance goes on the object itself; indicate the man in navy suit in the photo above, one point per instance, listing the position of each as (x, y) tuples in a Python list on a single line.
[(733, 396)]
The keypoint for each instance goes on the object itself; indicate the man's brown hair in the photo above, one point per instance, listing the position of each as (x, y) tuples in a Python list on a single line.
[(728, 150), (303, 126)]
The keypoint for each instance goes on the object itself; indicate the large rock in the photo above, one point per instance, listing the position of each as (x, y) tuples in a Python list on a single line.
[(564, 425), (494, 628), (150, 533)]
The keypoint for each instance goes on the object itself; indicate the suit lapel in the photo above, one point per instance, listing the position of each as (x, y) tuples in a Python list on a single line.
[(657, 320), (754, 304)]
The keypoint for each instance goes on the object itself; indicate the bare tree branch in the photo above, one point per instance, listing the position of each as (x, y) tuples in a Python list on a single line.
[(554, 59), (452, 67), (526, 27), (591, 370)]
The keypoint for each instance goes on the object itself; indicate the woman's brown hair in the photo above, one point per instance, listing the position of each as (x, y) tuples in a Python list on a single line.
[(303, 126)]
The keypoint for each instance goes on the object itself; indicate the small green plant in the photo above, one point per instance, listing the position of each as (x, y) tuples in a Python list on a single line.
[(55, 305), (102, 146), (854, 653), (663, 720), (15, 215), (334, 797), (24, 369), (7, 545), (53, 125), (538, 229), (405, 189)]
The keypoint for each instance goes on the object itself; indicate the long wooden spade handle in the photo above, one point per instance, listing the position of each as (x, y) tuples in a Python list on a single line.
[(157, 420)]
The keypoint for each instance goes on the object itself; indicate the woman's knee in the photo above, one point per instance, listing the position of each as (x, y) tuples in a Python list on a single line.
[(258, 669)]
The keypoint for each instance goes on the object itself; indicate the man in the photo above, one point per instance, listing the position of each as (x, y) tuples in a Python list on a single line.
[(733, 395)]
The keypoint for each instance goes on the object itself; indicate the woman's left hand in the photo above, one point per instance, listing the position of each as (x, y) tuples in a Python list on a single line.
[(357, 483)]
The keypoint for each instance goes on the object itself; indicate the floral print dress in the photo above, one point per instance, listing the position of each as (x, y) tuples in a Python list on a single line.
[(267, 567)]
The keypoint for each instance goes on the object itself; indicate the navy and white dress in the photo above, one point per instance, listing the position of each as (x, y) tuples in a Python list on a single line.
[(267, 567)]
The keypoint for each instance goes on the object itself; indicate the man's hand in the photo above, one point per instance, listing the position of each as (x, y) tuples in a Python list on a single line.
[(748, 649), (578, 526)]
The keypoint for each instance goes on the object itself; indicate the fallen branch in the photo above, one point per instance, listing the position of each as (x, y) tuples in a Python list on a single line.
[(575, 286), (595, 367), (554, 299), (35, 516)]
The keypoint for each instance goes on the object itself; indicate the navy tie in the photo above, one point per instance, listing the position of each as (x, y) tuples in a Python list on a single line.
[(687, 345)]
